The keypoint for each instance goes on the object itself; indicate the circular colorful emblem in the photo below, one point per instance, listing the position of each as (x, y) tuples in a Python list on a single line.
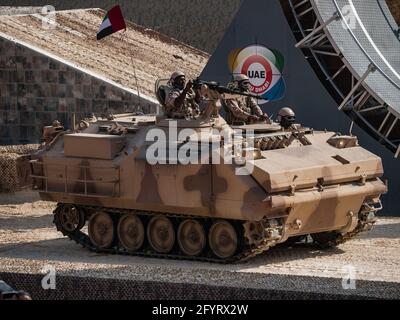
[(264, 68)]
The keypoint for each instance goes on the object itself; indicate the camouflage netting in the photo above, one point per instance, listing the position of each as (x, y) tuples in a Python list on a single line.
[(9, 156)]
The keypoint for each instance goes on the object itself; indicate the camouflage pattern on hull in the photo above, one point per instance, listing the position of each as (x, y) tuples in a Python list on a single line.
[(304, 182)]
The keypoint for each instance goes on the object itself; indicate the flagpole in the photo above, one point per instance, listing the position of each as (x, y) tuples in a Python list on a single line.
[(113, 22), (137, 85), (123, 37)]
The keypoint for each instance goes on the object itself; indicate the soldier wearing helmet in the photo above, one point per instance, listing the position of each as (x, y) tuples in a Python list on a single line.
[(182, 101), (243, 109), (286, 118), (50, 132)]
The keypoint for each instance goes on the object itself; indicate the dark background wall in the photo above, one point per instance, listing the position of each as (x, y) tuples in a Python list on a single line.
[(35, 90)]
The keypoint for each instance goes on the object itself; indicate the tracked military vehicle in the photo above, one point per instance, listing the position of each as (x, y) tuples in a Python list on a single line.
[(118, 193)]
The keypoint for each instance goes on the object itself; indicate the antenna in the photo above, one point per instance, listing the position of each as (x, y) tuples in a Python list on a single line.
[(351, 128), (137, 84)]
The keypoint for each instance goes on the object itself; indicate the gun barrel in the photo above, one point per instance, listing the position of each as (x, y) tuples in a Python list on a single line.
[(212, 85)]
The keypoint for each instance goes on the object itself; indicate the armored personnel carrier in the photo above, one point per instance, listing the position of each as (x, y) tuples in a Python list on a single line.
[(159, 187)]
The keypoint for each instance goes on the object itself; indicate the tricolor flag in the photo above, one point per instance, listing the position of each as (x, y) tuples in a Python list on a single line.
[(112, 22)]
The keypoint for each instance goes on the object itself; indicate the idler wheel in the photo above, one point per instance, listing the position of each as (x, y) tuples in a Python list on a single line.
[(101, 230), (131, 232), (70, 218), (161, 234), (223, 240), (191, 237)]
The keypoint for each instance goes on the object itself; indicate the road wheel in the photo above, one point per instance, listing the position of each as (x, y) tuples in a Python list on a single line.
[(191, 237), (223, 239), (131, 232), (101, 230), (161, 234), (70, 218)]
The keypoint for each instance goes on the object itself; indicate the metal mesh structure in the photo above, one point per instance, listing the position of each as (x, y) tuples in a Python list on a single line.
[(80, 288), (12, 166), (355, 47)]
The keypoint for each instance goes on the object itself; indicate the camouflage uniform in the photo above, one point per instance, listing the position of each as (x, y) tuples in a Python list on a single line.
[(241, 109), (189, 109)]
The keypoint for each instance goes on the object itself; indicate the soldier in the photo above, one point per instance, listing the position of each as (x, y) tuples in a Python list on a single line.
[(50, 132), (243, 109), (182, 101), (286, 118)]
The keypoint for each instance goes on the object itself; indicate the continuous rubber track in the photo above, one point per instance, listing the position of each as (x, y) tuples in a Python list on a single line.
[(244, 252)]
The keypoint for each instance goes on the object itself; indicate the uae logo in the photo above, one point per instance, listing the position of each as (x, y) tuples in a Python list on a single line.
[(264, 68)]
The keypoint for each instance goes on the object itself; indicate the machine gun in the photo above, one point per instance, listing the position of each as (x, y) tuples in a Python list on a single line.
[(221, 93), (213, 85)]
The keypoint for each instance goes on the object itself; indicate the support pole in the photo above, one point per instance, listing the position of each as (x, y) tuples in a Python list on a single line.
[(335, 16), (370, 69)]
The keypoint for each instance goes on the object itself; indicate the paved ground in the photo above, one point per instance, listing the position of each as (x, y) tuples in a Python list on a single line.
[(28, 242)]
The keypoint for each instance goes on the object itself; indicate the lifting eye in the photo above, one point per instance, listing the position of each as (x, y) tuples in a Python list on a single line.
[(341, 142)]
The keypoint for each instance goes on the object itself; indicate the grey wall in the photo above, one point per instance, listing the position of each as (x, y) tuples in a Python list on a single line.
[(264, 22), (35, 90)]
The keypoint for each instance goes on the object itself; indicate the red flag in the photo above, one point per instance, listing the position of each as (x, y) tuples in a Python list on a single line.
[(112, 22)]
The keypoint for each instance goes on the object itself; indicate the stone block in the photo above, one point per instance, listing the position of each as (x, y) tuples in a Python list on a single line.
[(23, 132), (45, 118), (21, 50), (14, 133), (50, 104), (25, 104), (116, 106), (36, 104), (8, 48), (101, 92), (87, 91), (53, 65), (32, 76), (7, 103), (69, 91), (70, 105), (11, 117), (53, 89), (16, 76), (4, 75), (35, 132), (100, 106), (77, 92), (96, 82), (41, 90), (49, 76), (83, 105), (82, 79), (23, 62), (12, 89), (27, 117), (62, 105), (66, 77), (113, 93), (40, 62), (4, 131), (25, 90)]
